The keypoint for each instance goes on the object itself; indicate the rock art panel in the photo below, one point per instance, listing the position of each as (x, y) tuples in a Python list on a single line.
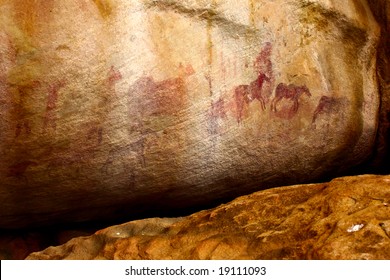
[(132, 106)]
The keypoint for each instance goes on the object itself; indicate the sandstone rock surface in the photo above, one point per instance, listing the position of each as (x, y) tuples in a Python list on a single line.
[(347, 218), (109, 107), (381, 11)]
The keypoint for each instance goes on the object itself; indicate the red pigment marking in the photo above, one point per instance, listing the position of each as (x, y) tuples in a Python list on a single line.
[(245, 94), (263, 66), (21, 113), (186, 71), (217, 112), (161, 97), (95, 133), (100, 135), (218, 109), (289, 92), (114, 76), (242, 100), (263, 63), (256, 90), (9, 52), (51, 105), (326, 105), (17, 170), (22, 125)]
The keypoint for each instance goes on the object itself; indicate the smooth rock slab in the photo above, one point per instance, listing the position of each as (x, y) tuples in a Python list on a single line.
[(347, 218), (113, 107)]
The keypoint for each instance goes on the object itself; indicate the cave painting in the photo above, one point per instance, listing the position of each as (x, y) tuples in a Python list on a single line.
[(290, 92), (326, 105), (165, 97), (262, 88), (51, 105), (21, 105), (216, 113), (263, 63), (159, 97), (244, 94), (255, 90), (113, 77)]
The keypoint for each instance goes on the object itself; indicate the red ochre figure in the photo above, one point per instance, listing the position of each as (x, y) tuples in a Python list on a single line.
[(245, 94), (291, 92), (51, 105), (325, 105), (217, 111)]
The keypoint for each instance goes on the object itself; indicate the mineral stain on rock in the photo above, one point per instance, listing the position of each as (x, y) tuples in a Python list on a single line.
[(18, 169), (104, 7), (22, 110), (51, 105), (29, 14)]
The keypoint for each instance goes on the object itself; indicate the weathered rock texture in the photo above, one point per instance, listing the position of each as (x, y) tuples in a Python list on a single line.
[(17, 245), (381, 11), (348, 218), (109, 107)]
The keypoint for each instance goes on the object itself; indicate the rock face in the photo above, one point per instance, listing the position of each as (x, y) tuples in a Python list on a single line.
[(381, 11), (348, 218), (109, 107)]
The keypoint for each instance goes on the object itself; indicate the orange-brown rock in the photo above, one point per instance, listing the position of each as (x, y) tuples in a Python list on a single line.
[(347, 218), (112, 107)]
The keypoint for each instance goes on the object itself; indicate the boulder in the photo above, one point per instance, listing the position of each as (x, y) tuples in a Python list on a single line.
[(109, 108), (347, 218)]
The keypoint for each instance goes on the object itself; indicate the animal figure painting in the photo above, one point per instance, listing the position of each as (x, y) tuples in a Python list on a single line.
[(289, 92)]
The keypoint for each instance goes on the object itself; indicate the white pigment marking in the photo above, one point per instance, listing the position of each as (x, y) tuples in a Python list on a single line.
[(355, 228)]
